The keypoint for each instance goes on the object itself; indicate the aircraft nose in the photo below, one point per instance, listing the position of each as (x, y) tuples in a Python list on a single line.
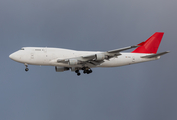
[(11, 56), (14, 56)]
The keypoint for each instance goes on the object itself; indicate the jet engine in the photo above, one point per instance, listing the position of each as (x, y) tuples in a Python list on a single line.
[(73, 62), (61, 69), (100, 56)]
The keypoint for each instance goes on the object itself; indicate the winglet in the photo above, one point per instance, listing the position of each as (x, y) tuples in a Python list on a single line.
[(151, 45)]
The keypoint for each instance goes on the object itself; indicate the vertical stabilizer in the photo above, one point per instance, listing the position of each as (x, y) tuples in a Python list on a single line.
[(151, 45)]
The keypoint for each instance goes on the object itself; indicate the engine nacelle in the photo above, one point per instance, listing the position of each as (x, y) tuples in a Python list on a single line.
[(61, 69), (73, 62), (100, 56)]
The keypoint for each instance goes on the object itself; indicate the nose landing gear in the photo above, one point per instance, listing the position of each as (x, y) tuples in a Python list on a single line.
[(26, 69)]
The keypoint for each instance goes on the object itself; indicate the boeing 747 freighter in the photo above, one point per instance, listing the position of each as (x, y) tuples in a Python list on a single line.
[(65, 59)]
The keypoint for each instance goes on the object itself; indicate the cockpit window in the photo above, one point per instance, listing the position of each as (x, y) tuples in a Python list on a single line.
[(22, 49)]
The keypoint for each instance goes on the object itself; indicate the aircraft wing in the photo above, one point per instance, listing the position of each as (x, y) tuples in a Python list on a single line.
[(80, 58), (122, 49), (94, 59)]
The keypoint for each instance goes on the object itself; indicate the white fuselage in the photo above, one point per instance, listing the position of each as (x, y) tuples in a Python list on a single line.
[(49, 56)]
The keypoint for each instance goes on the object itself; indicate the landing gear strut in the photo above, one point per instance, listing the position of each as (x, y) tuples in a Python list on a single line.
[(26, 69)]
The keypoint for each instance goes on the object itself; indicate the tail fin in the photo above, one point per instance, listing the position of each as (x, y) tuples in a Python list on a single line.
[(151, 45)]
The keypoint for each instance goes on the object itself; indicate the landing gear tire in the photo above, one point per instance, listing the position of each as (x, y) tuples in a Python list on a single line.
[(77, 71), (78, 74), (87, 70), (26, 69)]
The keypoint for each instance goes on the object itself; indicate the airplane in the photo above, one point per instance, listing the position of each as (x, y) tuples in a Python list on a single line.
[(66, 59)]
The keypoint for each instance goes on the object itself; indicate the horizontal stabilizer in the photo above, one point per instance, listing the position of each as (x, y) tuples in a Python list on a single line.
[(155, 55)]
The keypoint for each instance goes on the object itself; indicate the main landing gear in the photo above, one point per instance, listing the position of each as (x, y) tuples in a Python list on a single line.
[(85, 71), (78, 73), (26, 69)]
